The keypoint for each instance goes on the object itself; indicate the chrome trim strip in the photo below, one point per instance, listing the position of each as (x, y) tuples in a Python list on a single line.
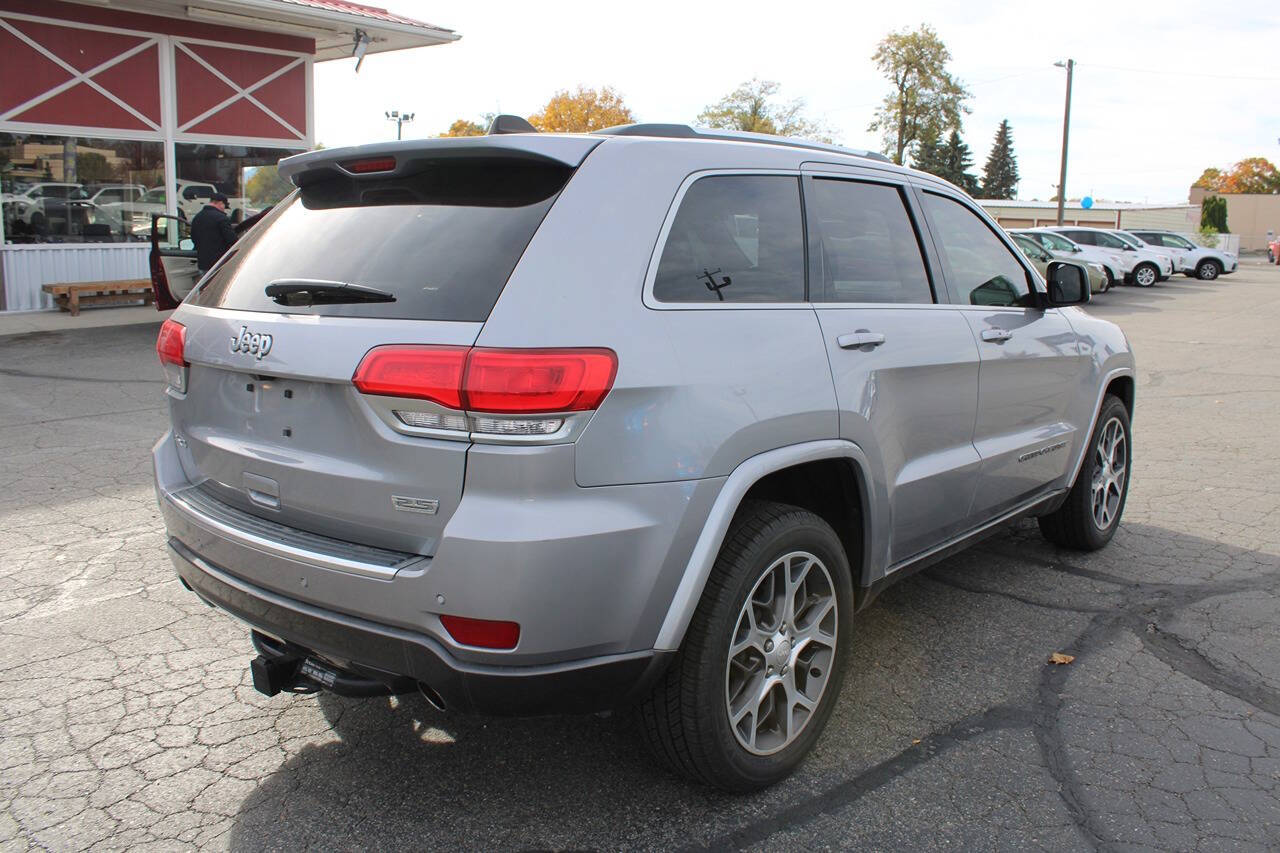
[(320, 560)]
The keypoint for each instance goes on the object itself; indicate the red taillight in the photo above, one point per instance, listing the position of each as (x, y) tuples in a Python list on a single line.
[(515, 381), (498, 381), (374, 164), (420, 372), (171, 344), (485, 633)]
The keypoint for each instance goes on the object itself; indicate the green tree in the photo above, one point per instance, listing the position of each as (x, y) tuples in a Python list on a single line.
[(1000, 175), (466, 127), (955, 162), (923, 92), (1213, 213), (754, 107), (926, 152), (266, 187), (582, 111), (92, 167)]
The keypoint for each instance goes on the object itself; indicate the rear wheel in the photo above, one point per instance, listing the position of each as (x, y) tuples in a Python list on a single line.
[(1208, 270), (1145, 275), (1088, 517), (762, 662)]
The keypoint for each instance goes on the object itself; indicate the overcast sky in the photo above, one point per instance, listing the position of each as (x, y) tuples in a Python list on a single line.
[(1162, 89)]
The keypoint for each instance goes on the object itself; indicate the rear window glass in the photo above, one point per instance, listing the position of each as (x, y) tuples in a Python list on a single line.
[(442, 241)]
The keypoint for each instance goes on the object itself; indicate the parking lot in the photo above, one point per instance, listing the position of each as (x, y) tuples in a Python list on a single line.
[(127, 717)]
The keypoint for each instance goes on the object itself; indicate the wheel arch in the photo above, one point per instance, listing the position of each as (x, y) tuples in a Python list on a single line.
[(1120, 382), (842, 498)]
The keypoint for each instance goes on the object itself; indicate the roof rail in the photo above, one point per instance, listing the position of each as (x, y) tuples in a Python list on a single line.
[(684, 131)]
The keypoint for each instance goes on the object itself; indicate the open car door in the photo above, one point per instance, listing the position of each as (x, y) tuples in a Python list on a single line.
[(173, 260)]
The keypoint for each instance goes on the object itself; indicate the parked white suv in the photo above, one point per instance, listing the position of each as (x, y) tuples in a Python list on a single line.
[(1199, 261), (1140, 266), (1066, 249)]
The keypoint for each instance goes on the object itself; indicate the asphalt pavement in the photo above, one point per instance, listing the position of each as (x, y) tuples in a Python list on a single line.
[(127, 717)]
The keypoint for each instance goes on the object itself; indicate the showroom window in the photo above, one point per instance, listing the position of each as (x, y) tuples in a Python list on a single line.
[(75, 189), (245, 175)]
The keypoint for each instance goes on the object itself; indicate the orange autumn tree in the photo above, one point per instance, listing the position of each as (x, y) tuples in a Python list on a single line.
[(1250, 175), (582, 111)]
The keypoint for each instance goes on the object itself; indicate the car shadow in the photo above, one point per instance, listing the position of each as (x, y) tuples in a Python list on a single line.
[(963, 639)]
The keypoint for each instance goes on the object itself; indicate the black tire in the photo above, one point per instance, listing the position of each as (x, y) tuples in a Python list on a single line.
[(1208, 269), (685, 719), (1111, 281), (1146, 272), (1073, 525)]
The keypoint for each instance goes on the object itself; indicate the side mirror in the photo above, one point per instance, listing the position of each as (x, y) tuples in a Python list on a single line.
[(1068, 285)]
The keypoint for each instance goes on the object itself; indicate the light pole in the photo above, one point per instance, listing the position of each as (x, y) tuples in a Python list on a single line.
[(1070, 65), (401, 119)]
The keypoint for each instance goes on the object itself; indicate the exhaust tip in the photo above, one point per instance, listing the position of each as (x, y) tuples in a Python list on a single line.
[(433, 698)]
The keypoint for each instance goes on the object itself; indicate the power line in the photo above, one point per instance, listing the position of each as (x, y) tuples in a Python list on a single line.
[(1164, 72)]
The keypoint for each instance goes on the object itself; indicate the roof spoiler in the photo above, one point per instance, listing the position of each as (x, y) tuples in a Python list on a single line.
[(510, 124)]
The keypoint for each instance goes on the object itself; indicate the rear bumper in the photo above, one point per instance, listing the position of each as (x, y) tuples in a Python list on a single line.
[(349, 642)]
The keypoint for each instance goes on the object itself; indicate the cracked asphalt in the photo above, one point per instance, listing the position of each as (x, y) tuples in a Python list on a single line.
[(127, 718)]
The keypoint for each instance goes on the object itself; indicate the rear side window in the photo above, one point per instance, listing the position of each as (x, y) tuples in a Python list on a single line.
[(735, 238), (1085, 238), (868, 246), (442, 241)]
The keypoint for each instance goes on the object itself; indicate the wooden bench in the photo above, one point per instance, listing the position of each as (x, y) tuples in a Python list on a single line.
[(70, 295)]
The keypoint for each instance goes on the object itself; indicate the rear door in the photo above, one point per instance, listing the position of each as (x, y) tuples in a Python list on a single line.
[(905, 369), (271, 423), (1030, 358), (173, 250)]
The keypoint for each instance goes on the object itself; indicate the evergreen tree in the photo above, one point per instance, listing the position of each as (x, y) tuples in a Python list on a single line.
[(956, 162), (1213, 213), (926, 153), (1000, 176)]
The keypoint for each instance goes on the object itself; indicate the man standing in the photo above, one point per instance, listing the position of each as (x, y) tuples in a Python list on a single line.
[(212, 233)]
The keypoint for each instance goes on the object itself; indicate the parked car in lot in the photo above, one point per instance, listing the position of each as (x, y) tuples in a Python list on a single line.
[(1140, 266), (28, 203), (1041, 257), (527, 458), (1194, 260), (1067, 249)]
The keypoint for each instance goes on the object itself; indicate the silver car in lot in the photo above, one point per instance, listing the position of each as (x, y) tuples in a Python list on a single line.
[(1065, 249), (537, 423), (1140, 266), (1194, 260)]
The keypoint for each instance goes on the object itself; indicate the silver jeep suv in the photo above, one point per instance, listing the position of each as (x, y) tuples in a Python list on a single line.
[(641, 418)]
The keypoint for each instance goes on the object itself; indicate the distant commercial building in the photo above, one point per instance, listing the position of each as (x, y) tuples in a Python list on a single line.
[(1252, 216), (1030, 214)]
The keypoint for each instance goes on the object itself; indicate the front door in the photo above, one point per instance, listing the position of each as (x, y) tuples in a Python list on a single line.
[(1030, 358), (905, 369)]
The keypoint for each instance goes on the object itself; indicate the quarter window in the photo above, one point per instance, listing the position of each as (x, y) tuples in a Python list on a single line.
[(980, 268), (868, 247), (735, 238)]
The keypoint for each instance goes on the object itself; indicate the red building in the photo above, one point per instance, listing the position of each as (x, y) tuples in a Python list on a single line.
[(111, 110)]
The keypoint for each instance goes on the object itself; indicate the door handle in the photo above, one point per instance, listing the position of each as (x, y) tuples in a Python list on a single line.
[(860, 339), (998, 336)]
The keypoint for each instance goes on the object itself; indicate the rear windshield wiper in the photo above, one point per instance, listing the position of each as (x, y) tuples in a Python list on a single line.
[(310, 291)]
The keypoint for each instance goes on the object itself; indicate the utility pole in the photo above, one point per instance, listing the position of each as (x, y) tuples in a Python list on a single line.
[(1070, 65), (401, 119)]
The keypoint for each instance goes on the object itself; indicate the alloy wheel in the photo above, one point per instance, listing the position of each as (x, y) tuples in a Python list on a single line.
[(1207, 271), (1111, 467), (1144, 276), (781, 653)]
